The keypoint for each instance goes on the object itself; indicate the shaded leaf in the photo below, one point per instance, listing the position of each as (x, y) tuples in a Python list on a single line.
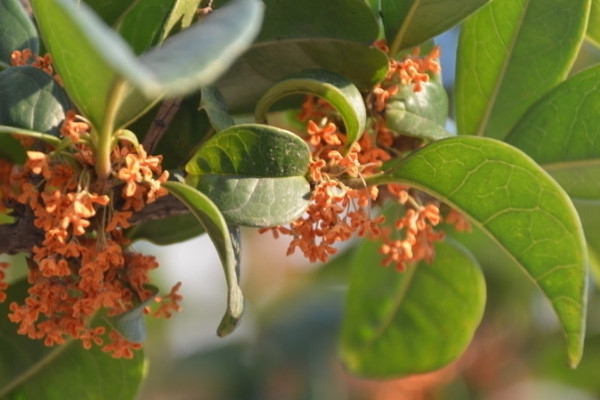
[(412, 22), (17, 31), (420, 114), (111, 11), (266, 63), (415, 321), (593, 28), (338, 91), (31, 99), (561, 132), (31, 370), (130, 324), (166, 231), (213, 103), (143, 25), (336, 19), (254, 173), (511, 53), (525, 211), (226, 243)]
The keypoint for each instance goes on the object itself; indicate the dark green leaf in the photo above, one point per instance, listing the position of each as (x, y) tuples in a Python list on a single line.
[(142, 27), (267, 63), (17, 31), (510, 54), (338, 91), (335, 19), (524, 210), (213, 103), (420, 114), (254, 173), (562, 133), (111, 11), (31, 99), (411, 22), (31, 370), (226, 243), (166, 231), (415, 321)]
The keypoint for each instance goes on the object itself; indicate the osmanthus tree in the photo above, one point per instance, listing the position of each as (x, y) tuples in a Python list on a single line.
[(316, 121)]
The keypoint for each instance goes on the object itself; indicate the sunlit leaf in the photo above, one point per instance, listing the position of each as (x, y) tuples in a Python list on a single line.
[(266, 63), (254, 173), (338, 91), (31, 370), (226, 242), (414, 321), (411, 22), (17, 31), (525, 211), (562, 133), (510, 53), (593, 29)]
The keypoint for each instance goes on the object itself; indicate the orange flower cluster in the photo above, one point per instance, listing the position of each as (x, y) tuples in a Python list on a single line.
[(26, 57), (341, 200), (81, 268), (3, 284)]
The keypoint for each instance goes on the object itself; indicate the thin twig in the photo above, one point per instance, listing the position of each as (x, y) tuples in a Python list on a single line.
[(161, 122)]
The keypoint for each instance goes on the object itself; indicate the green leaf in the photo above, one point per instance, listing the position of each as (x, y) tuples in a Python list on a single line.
[(85, 47), (525, 211), (593, 29), (560, 132), (181, 16), (111, 11), (213, 103), (412, 22), (337, 90), (31, 99), (17, 31), (130, 324), (143, 25), (254, 173), (166, 231), (419, 114), (511, 53), (414, 321), (226, 242), (31, 370), (336, 19), (266, 63)]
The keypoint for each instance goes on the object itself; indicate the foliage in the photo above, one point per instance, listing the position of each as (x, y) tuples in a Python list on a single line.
[(349, 139)]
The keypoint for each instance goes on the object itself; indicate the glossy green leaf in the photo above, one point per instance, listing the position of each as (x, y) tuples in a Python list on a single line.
[(17, 31), (411, 22), (166, 231), (338, 91), (525, 211), (419, 114), (213, 103), (143, 25), (414, 321), (266, 63), (510, 54), (561, 132), (31, 370), (183, 64), (226, 243), (111, 11), (254, 173), (336, 19), (130, 324), (31, 99), (593, 29)]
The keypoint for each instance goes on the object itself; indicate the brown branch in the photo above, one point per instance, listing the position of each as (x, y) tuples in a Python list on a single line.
[(161, 122)]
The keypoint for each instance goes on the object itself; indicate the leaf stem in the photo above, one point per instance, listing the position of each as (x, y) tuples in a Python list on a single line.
[(50, 139), (105, 133)]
